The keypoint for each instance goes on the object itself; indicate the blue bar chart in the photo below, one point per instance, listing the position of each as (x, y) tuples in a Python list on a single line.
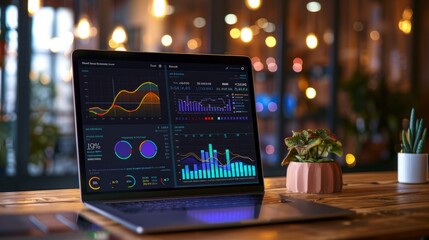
[(204, 105), (209, 166)]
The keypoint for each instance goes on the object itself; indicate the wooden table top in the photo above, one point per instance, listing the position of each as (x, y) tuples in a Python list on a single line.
[(385, 209)]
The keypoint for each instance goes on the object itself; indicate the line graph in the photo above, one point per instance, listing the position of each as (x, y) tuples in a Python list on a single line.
[(142, 101), (222, 158)]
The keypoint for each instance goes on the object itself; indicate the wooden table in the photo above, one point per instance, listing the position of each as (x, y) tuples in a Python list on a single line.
[(385, 209)]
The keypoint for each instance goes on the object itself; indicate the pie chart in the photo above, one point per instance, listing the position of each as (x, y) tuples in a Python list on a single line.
[(123, 150), (148, 149)]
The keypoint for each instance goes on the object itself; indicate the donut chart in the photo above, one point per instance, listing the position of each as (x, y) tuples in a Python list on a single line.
[(130, 181), (94, 183), (148, 149), (123, 150)]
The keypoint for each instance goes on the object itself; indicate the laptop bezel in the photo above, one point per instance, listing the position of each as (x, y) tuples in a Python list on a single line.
[(79, 55)]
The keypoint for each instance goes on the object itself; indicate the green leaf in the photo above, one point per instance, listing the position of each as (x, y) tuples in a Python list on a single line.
[(289, 157), (421, 142), (412, 117), (405, 144), (322, 133), (410, 139), (297, 139), (412, 130), (337, 149), (311, 146), (418, 134), (419, 148)]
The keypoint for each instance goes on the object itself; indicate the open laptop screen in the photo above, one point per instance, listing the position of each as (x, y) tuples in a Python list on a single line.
[(149, 121)]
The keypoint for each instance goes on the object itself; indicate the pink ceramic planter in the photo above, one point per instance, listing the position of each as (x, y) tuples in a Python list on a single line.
[(323, 177)]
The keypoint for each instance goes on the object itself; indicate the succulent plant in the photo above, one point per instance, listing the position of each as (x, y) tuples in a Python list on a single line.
[(413, 135), (312, 146)]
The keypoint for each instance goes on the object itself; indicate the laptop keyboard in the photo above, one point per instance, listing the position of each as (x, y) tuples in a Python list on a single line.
[(186, 203)]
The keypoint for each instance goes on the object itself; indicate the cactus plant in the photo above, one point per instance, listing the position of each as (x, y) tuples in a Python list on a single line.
[(413, 135)]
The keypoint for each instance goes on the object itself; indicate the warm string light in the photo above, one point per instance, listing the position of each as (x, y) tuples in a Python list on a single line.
[(350, 160), (311, 41), (159, 8), (310, 93), (405, 24), (314, 6), (270, 41), (235, 33), (118, 39), (246, 35), (83, 29), (166, 40), (119, 35), (231, 19), (33, 6), (253, 4)]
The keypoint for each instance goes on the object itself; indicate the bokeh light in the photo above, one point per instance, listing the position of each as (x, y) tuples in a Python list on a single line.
[(313, 6), (119, 35), (407, 13), (310, 93), (246, 35), (405, 26), (270, 41), (272, 67), (231, 19), (374, 35), (193, 44), (255, 29), (253, 4), (272, 106), (259, 107), (271, 27), (270, 149), (298, 61), (159, 8), (328, 37), (296, 67), (350, 160), (235, 33), (262, 22), (302, 84), (311, 41), (258, 66), (358, 26), (166, 40), (33, 6), (199, 22), (83, 30)]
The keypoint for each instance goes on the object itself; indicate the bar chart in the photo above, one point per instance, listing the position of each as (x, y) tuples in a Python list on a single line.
[(204, 105), (208, 165)]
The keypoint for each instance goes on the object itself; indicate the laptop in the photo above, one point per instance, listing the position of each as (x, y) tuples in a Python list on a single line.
[(169, 142)]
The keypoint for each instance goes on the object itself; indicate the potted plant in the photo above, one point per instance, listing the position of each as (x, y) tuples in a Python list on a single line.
[(311, 169), (412, 163)]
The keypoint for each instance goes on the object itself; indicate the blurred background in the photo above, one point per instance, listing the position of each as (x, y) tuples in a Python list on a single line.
[(355, 67)]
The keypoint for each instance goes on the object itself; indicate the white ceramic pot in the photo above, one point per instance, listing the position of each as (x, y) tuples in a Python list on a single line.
[(412, 167)]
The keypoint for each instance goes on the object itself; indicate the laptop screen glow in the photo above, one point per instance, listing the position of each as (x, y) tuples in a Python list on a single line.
[(163, 125)]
